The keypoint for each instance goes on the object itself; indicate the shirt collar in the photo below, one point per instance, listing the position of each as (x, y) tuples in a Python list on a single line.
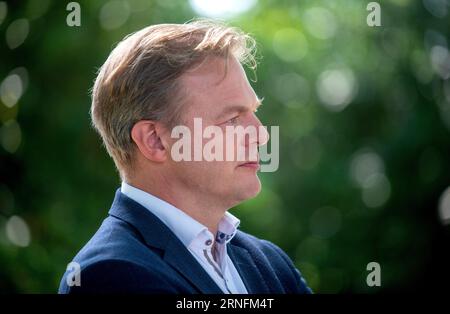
[(227, 228), (186, 228)]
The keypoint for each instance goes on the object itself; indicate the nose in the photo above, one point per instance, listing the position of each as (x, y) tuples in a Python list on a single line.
[(262, 134)]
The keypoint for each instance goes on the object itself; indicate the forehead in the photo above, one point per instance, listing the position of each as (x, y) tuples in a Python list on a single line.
[(215, 84)]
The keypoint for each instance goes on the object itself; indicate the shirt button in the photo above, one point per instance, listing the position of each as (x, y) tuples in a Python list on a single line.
[(208, 242)]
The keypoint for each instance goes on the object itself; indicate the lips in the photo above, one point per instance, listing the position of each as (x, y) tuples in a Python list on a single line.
[(251, 164)]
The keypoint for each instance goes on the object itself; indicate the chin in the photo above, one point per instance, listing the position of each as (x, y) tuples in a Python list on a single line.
[(249, 189)]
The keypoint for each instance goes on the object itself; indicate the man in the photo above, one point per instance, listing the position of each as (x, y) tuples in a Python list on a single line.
[(169, 229)]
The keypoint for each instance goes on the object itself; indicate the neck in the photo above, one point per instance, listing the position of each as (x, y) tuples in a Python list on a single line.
[(202, 210)]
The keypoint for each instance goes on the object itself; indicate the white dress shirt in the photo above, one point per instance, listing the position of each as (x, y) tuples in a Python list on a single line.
[(197, 238)]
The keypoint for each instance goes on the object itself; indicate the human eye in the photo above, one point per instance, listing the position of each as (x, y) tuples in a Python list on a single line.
[(232, 121)]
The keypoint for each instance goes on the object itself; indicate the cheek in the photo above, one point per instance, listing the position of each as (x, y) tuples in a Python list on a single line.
[(209, 172), (220, 168), (218, 175)]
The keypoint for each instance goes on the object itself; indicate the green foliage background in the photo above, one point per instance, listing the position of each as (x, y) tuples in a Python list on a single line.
[(56, 176)]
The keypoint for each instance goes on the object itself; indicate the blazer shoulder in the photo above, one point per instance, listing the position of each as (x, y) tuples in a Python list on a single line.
[(250, 242), (278, 259), (116, 276), (117, 260)]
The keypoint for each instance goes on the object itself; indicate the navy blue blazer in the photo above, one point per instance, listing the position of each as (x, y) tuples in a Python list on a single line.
[(135, 252)]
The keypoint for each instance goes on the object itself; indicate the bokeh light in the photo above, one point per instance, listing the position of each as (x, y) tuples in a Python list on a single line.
[(290, 44), (440, 61), (336, 88), (11, 90), (18, 232), (114, 14), (444, 207), (10, 136), (364, 164), (376, 190), (3, 11), (320, 22), (17, 32), (37, 8), (438, 8), (221, 9)]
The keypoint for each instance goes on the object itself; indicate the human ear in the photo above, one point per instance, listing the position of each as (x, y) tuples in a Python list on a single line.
[(147, 137)]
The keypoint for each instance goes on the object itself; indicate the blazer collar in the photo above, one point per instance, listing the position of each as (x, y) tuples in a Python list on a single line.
[(246, 267), (156, 234)]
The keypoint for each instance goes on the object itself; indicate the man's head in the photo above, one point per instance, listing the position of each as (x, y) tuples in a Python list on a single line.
[(166, 75)]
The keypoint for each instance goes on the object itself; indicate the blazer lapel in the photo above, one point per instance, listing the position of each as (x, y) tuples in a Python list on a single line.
[(157, 234), (182, 260), (247, 269)]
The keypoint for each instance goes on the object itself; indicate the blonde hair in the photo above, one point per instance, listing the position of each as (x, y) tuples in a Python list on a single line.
[(139, 80)]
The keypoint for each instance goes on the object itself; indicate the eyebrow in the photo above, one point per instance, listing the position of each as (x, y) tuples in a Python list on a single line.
[(238, 109)]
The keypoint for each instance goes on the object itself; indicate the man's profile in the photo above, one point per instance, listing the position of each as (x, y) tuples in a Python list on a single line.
[(169, 229)]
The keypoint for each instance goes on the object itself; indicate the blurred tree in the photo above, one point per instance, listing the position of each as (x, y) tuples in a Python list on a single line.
[(364, 116)]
